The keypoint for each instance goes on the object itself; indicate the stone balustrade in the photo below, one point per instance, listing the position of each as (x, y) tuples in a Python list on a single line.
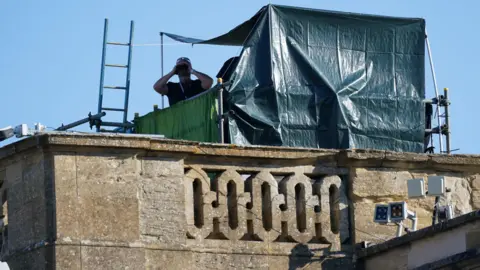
[(265, 206)]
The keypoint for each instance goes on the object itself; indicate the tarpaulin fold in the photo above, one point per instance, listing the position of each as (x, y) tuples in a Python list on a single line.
[(235, 37)]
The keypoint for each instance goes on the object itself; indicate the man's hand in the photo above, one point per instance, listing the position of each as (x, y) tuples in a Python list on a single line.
[(161, 85), (204, 78)]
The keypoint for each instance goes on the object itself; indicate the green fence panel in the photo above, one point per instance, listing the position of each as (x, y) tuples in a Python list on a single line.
[(193, 120)]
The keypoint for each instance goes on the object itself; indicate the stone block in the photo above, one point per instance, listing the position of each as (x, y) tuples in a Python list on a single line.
[(66, 193), (112, 258), (158, 168), (165, 259), (14, 173), (67, 217), (39, 220), (188, 260), (379, 182), (15, 195), (107, 168), (33, 177), (230, 261), (68, 257), (65, 175), (476, 199), (460, 194), (476, 182), (162, 213), (20, 227), (108, 211), (162, 195)]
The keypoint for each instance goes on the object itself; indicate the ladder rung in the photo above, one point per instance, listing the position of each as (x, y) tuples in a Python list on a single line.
[(118, 43), (113, 65), (115, 87), (113, 109)]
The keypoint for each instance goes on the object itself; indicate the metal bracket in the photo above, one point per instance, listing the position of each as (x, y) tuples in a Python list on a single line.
[(94, 120)]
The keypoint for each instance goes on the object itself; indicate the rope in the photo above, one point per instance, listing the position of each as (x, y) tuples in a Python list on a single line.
[(159, 44)]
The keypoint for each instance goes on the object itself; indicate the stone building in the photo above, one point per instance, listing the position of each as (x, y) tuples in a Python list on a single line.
[(97, 201)]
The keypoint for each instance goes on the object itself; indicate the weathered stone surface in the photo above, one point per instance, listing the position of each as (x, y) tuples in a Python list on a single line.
[(162, 196), (39, 221), (68, 257), (476, 199), (476, 191), (40, 258), (66, 193), (115, 205), (33, 177), (460, 194), (112, 258), (163, 259), (14, 172), (20, 227), (374, 182), (15, 187), (193, 260), (367, 230), (128, 202), (476, 182), (107, 168)]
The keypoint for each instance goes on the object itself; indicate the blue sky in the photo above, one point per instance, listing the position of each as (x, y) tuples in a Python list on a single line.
[(51, 52)]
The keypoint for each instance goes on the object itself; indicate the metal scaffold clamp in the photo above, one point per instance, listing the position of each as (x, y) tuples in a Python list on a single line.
[(93, 120)]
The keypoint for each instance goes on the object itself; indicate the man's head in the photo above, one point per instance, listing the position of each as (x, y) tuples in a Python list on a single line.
[(183, 67)]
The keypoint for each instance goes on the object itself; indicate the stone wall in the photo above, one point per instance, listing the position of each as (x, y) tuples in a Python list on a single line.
[(79, 201), (382, 185)]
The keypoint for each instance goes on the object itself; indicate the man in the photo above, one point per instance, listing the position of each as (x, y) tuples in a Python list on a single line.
[(187, 87)]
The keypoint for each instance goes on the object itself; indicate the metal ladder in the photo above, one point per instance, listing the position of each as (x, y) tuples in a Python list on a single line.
[(123, 126)]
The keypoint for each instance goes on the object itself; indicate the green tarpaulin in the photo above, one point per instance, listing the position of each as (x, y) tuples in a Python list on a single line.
[(193, 120), (322, 79)]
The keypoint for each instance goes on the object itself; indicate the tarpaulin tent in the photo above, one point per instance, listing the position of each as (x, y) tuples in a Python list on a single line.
[(323, 79)]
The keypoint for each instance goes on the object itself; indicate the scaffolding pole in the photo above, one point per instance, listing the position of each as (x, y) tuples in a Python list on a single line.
[(447, 120), (91, 118), (161, 56), (436, 89)]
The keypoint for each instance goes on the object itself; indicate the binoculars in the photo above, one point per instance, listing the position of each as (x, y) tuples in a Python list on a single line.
[(182, 67)]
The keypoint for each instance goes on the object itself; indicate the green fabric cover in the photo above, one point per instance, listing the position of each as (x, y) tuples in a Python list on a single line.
[(322, 79), (193, 120)]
